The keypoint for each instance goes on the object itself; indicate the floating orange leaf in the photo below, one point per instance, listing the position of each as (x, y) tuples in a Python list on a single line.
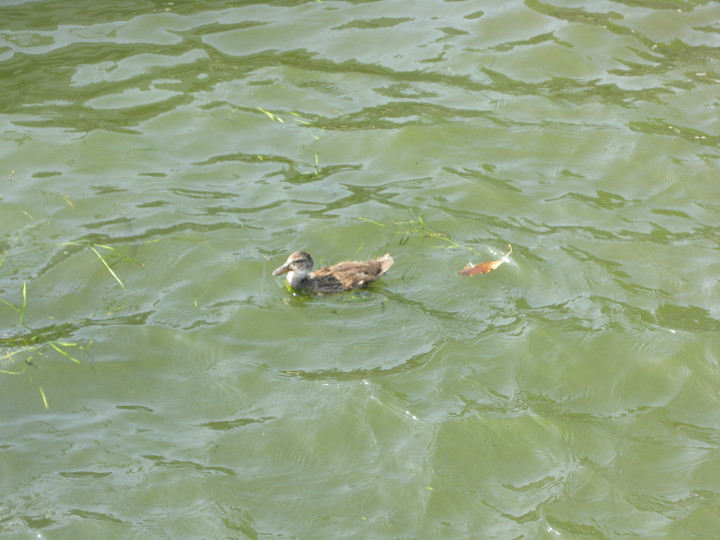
[(484, 268)]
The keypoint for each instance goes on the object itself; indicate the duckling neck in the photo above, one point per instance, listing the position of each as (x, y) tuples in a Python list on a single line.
[(295, 278)]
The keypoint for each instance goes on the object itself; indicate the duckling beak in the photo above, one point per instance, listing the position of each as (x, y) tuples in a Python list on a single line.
[(282, 269)]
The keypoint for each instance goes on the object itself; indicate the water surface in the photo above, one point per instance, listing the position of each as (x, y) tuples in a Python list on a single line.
[(160, 159)]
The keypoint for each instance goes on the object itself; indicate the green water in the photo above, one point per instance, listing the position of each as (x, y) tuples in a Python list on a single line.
[(159, 159)]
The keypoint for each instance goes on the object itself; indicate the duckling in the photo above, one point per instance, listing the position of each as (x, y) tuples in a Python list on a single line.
[(341, 277)]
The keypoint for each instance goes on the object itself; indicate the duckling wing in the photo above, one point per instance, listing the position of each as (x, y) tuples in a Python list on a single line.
[(348, 275), (323, 282)]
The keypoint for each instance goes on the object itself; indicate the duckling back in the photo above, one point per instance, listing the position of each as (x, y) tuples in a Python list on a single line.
[(346, 276)]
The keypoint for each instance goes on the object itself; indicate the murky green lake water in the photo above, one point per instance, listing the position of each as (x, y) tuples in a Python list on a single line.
[(159, 159)]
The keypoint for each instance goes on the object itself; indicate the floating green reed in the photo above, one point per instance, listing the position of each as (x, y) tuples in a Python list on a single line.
[(42, 394), (29, 348), (24, 304), (108, 267), (9, 304), (8, 356), (271, 116), (20, 310), (24, 347), (102, 259), (64, 353), (373, 222), (299, 119)]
